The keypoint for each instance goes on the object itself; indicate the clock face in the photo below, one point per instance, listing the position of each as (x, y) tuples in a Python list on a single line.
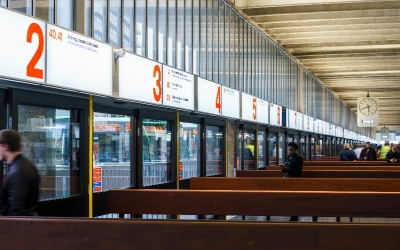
[(368, 106)]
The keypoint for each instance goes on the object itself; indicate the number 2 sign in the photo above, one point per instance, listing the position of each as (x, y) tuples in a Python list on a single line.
[(22, 46)]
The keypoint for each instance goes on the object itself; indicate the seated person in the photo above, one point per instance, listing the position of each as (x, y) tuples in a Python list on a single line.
[(393, 155), (346, 154)]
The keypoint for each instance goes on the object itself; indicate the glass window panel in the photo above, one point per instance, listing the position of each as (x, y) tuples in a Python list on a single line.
[(313, 148), (188, 36), (216, 41), (189, 149), (3, 3), (162, 31), (100, 20), (196, 37), (180, 35), (65, 14), (24, 6), (203, 38), (128, 27), (171, 51), (249, 149), (140, 27), (53, 147), (209, 48), (282, 152), (232, 50), (111, 149), (115, 23), (226, 47), (88, 7), (272, 149), (261, 146), (239, 141), (214, 154), (156, 152), (152, 30), (45, 10)]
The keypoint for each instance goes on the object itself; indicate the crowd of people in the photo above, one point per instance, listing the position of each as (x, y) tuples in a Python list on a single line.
[(391, 153)]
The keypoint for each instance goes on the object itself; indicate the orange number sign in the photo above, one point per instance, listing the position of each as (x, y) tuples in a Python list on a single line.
[(218, 100), (30, 69), (254, 108), (157, 97)]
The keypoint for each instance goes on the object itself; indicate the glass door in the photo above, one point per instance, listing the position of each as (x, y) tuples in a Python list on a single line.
[(189, 154)]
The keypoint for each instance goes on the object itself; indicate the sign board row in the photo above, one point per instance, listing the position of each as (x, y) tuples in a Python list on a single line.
[(37, 51)]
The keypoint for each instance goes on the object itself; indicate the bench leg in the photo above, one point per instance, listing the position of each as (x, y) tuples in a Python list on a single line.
[(337, 219), (351, 219), (219, 217), (243, 217), (314, 218), (268, 218)]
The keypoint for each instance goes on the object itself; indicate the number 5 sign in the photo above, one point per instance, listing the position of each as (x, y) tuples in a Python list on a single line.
[(249, 107), (22, 45)]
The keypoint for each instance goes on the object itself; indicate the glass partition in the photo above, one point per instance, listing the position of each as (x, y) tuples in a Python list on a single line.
[(51, 142), (156, 152), (249, 149), (272, 149), (239, 139), (24, 6), (65, 14), (111, 149), (214, 147), (189, 150), (261, 146), (313, 148)]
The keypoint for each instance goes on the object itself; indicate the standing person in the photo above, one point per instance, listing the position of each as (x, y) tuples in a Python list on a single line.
[(20, 189), (293, 166), (384, 150), (346, 154), (368, 153), (393, 155)]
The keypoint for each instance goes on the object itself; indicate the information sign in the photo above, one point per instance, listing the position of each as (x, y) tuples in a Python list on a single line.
[(230, 102), (209, 97), (140, 79), (178, 88), (262, 111)]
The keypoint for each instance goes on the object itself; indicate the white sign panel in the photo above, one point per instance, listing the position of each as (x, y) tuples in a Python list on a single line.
[(262, 111), (249, 107), (308, 123), (295, 119), (78, 62), (230, 102), (333, 130), (209, 97), (318, 126), (178, 88), (140, 79), (367, 112), (325, 128), (22, 44), (275, 115)]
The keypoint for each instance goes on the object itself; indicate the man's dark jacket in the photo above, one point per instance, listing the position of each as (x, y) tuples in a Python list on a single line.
[(347, 155), (20, 190), (295, 165)]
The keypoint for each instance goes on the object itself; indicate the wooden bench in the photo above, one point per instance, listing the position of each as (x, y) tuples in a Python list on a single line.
[(84, 233), (256, 203), (295, 184), (322, 167), (349, 163), (324, 173)]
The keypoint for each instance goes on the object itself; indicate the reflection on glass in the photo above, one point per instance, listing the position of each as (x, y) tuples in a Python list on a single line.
[(282, 153), (140, 27), (249, 147), (115, 23), (189, 150), (111, 149), (24, 6), (319, 149), (152, 30), (51, 145), (100, 20), (88, 6), (261, 148), (171, 43), (3, 3), (214, 154), (272, 149), (128, 25), (162, 31), (303, 147), (239, 139), (45, 10), (65, 14), (156, 156), (312, 148)]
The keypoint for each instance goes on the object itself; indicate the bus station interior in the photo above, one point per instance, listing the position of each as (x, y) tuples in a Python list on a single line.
[(302, 63)]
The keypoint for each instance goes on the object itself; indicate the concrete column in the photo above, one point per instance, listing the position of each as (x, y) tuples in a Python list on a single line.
[(231, 148)]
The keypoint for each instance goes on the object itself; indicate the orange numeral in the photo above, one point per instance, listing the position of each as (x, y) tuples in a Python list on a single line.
[(30, 68), (157, 97), (254, 108), (218, 104)]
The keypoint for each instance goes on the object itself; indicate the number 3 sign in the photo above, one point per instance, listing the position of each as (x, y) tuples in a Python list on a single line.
[(22, 45)]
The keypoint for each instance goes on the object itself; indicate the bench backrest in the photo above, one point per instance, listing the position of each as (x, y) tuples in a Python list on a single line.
[(295, 184), (324, 173)]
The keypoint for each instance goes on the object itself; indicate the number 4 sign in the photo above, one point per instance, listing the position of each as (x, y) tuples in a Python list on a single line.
[(209, 97), (22, 46)]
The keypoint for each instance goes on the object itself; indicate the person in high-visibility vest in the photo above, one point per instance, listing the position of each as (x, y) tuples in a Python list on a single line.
[(384, 150)]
